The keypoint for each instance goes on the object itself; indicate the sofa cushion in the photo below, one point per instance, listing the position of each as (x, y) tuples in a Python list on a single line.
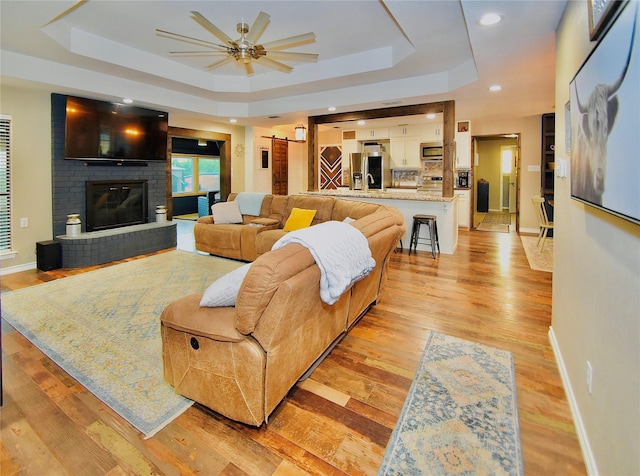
[(224, 290), (188, 316), (266, 274), (299, 218), (353, 209), (226, 213), (322, 205)]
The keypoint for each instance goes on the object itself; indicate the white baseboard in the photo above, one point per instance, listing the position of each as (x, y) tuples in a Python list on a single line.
[(17, 269), (583, 438), (534, 231)]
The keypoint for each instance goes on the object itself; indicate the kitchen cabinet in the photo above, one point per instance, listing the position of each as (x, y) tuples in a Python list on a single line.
[(405, 152), (432, 131), (464, 208), (370, 134), (349, 146), (405, 131), (463, 145)]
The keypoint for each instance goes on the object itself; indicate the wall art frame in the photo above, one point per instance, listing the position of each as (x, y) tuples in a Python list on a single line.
[(600, 14), (605, 109)]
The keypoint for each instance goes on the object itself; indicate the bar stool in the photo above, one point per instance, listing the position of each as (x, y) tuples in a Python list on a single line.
[(432, 240)]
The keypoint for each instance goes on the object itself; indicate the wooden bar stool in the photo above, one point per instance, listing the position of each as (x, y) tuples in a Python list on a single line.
[(432, 240)]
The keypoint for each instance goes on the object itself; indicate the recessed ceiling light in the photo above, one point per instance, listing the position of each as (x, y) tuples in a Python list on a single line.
[(127, 101), (361, 122), (489, 19), (495, 87), (331, 108), (233, 121)]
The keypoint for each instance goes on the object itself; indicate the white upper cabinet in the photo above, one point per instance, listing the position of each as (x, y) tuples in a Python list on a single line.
[(372, 134), (405, 131), (463, 145), (405, 152), (432, 131)]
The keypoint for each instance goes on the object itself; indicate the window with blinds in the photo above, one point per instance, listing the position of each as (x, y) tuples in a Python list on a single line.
[(5, 184)]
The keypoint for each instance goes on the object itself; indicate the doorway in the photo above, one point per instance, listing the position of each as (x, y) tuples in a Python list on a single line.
[(497, 167)]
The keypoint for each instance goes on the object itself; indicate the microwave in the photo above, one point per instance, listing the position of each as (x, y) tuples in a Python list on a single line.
[(431, 150)]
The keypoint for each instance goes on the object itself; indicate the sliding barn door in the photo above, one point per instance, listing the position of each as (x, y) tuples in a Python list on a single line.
[(280, 180)]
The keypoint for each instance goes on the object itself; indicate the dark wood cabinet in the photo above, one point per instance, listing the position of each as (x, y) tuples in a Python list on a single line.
[(548, 154), (547, 164)]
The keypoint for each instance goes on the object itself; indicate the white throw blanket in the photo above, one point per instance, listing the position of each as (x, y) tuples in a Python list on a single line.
[(341, 252)]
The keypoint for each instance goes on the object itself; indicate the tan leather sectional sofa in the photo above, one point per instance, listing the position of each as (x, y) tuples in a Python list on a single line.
[(241, 361)]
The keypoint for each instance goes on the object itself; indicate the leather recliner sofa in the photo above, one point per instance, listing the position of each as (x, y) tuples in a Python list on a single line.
[(241, 361)]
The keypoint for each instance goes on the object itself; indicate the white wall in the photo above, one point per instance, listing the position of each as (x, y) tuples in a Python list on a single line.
[(596, 296), (258, 179)]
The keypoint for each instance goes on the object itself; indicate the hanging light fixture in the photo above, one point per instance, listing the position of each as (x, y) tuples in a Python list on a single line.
[(301, 133)]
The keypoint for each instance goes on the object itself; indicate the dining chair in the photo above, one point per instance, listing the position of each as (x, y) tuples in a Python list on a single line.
[(543, 220)]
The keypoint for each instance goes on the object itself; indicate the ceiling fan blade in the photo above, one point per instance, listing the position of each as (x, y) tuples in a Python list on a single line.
[(248, 67), (66, 12), (291, 56), (290, 42), (263, 60), (258, 27), (199, 17), (188, 39), (217, 64), (198, 53)]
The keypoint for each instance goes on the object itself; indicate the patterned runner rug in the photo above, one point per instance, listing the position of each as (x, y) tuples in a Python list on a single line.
[(539, 260), (461, 414), (495, 221), (103, 328)]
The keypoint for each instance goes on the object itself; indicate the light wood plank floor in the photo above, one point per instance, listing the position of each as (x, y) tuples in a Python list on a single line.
[(340, 420)]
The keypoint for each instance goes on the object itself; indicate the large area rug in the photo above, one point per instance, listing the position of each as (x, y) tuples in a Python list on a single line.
[(103, 328), (538, 260), (495, 221), (461, 414)]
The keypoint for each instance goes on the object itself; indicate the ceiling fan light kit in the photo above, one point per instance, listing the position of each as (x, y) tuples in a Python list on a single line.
[(245, 49)]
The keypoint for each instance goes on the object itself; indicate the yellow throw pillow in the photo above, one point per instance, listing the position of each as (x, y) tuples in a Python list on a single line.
[(299, 218)]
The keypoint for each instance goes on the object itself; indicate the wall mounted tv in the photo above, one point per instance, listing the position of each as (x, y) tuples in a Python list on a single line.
[(99, 131)]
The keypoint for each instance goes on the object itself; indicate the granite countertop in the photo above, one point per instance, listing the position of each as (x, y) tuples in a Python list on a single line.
[(417, 196)]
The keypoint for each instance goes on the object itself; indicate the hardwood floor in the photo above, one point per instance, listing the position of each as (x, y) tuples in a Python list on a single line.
[(339, 421)]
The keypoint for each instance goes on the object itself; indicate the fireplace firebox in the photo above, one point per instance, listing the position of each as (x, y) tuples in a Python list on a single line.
[(116, 203)]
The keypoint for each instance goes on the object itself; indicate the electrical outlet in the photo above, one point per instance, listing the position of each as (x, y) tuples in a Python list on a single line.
[(589, 377), (24, 222)]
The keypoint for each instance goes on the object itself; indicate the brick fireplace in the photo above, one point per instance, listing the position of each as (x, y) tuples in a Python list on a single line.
[(69, 193)]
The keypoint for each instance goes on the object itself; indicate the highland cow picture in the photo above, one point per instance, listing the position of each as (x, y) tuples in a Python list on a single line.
[(605, 121)]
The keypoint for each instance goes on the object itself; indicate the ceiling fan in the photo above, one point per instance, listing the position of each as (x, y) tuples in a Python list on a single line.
[(245, 49)]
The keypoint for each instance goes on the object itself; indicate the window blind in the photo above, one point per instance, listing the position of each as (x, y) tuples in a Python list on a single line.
[(5, 184)]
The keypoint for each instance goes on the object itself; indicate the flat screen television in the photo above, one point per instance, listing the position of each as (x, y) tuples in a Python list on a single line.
[(104, 131)]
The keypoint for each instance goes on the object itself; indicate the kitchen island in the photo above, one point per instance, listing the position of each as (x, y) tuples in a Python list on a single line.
[(410, 204)]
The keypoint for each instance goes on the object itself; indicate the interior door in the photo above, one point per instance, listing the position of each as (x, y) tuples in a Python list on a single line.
[(280, 167)]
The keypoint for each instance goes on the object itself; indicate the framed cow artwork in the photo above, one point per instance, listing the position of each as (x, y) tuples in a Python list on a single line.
[(605, 118)]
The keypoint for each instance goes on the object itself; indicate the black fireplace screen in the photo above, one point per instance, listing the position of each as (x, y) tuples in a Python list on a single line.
[(112, 204)]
